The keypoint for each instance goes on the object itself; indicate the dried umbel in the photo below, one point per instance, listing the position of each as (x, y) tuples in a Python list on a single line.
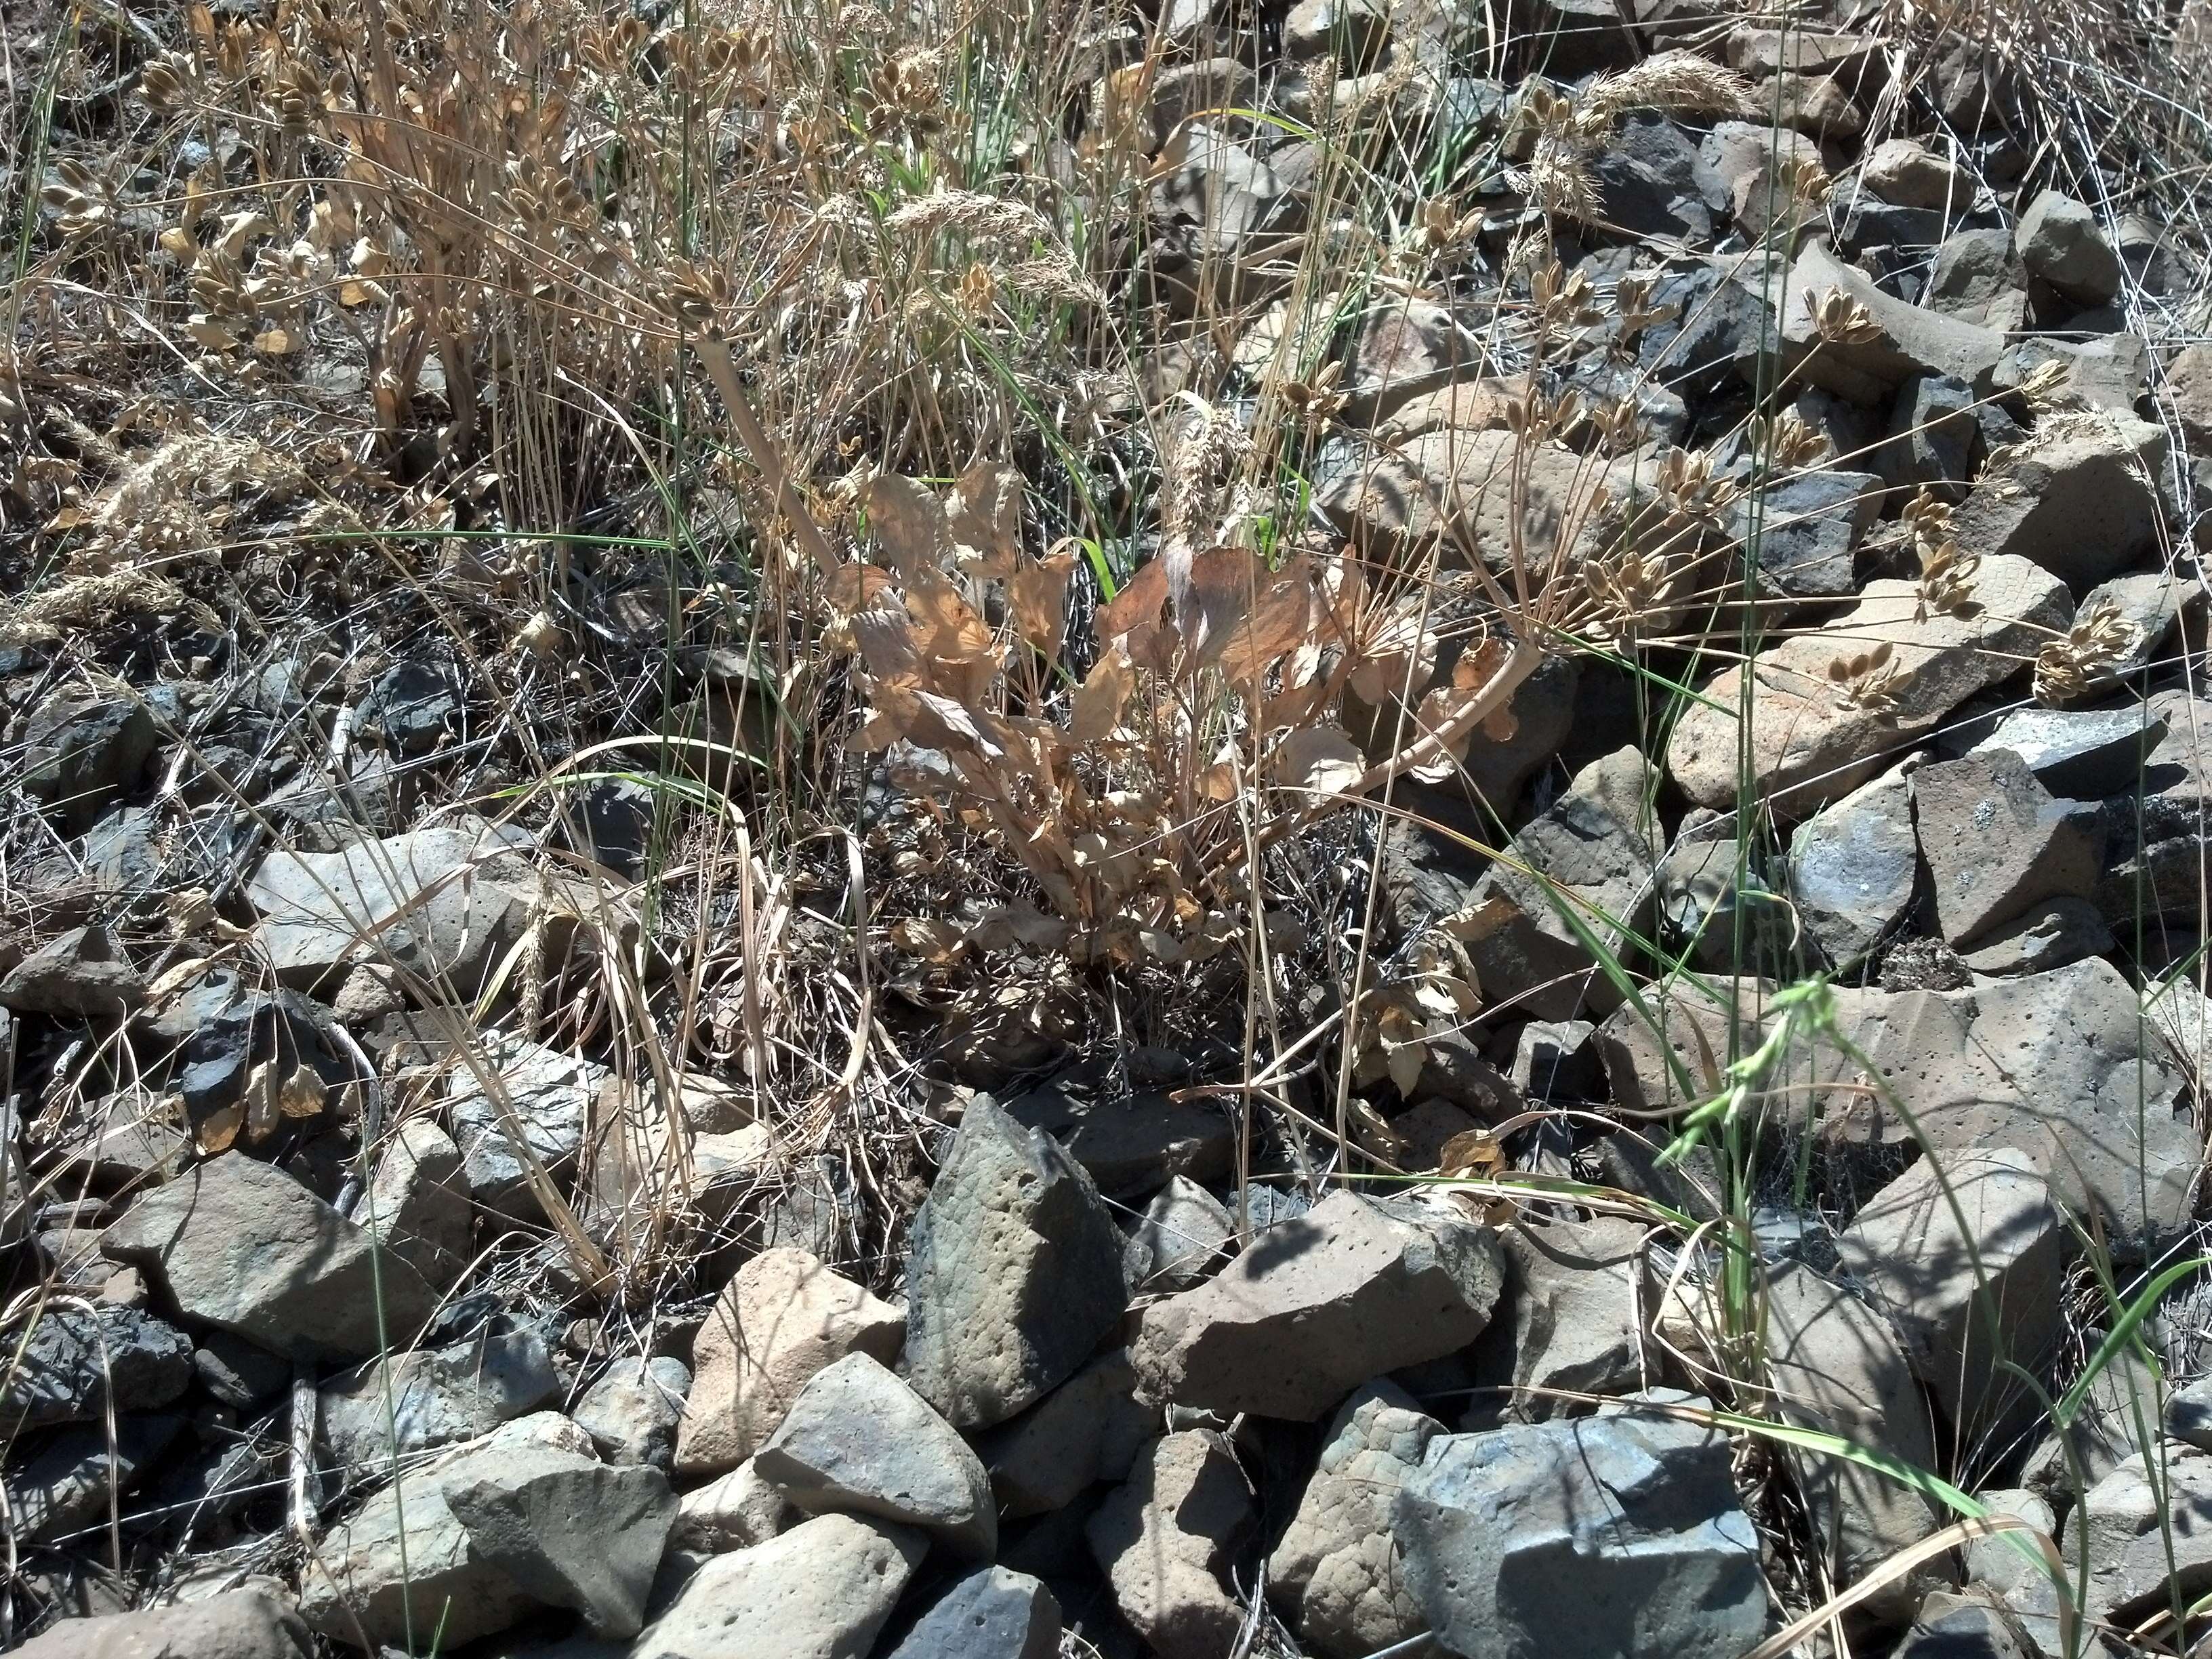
[(1841, 319), (1869, 681), (2082, 660)]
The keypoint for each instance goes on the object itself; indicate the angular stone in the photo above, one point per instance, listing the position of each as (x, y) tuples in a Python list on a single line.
[(1996, 842), (1014, 1272), (2052, 933), (1907, 172), (1809, 529), (1183, 1229), (1906, 339), (1401, 350), (732, 1511), (1648, 181), (632, 1412), (1907, 1249), (80, 751), (244, 1247), (417, 1203), (1164, 1538), (1970, 1626), (1932, 438), (2125, 1525), (82, 974), (2079, 754), (1089, 1429), (78, 1361), (423, 1398), (1978, 278), (1132, 1145), (1853, 865), (2188, 388), (1574, 1293), (1743, 170), (550, 1094), (236, 1372), (1837, 1368), (239, 1624), (2060, 240), (2112, 373), (991, 1613), (1809, 746), (1617, 1535), (1997, 1563), (1556, 1059), (1336, 1574), (858, 1441), (2080, 498), (573, 1532), (822, 1590), (780, 1318), (444, 903), (59, 1483), (1341, 1294), (2189, 1413)]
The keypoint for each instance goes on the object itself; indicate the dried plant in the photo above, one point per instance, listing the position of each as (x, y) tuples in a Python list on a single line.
[(2081, 661), (1870, 682)]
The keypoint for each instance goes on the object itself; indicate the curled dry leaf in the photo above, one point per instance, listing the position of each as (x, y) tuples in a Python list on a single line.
[(983, 519), (1038, 596), (1101, 696), (1320, 760), (909, 524)]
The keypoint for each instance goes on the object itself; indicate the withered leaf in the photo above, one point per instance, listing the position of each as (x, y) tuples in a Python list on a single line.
[(1101, 696)]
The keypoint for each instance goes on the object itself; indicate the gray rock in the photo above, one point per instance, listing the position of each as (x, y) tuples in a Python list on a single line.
[(822, 1590), (1810, 526), (1013, 1272), (244, 1247), (550, 1094), (1838, 1367), (2118, 1417), (1932, 438), (2050, 933), (1618, 1535), (1555, 1059), (2109, 374), (1399, 349), (77, 1361), (1907, 172), (1574, 1293), (1907, 1249), (2156, 604), (239, 1624), (1853, 865), (60, 1483), (1998, 1563), (236, 1372), (732, 1511), (417, 1203), (2080, 497), (991, 1613), (1743, 169), (573, 1532), (1182, 1232), (1220, 195), (1648, 181), (1904, 341), (632, 1411), (431, 1397), (80, 751), (445, 903), (2125, 1525), (1089, 1429), (1318, 1305), (1336, 1573), (1998, 842), (1132, 1145), (80, 975), (1977, 277), (858, 1441), (2079, 754), (2060, 242), (1970, 1626), (1164, 1538), (402, 1561), (2189, 1413)]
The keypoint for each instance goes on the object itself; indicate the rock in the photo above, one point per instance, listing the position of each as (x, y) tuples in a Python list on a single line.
[(991, 1613), (1212, 194), (732, 1511), (1970, 1626), (1317, 1306), (1906, 1248), (1013, 1272), (59, 1483), (239, 1624), (858, 1441), (431, 1397), (2079, 754), (1556, 1059), (75, 1361), (80, 975), (1401, 350), (1932, 438), (2126, 1524), (2187, 389), (445, 904), (1978, 278), (237, 1373), (822, 1590), (1712, 341), (2154, 604), (1182, 1232), (244, 1247), (1592, 849), (81, 750), (1998, 1563), (2110, 374), (632, 1412), (1907, 172), (134, 1143), (2189, 1413), (1743, 170), (783, 1317), (1808, 745), (417, 1203), (1336, 1573), (1650, 182), (1837, 1368), (379, 1581), (1852, 868), (1132, 1145), (1998, 842), (2079, 498), (1164, 1538), (229, 1034), (1903, 340), (1089, 1429), (1574, 1290), (2052, 933), (1619, 1535), (1809, 527), (2059, 241), (573, 1532), (2120, 1403), (550, 1095), (410, 708)]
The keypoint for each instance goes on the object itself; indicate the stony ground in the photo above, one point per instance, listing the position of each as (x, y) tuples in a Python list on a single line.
[(1762, 1169)]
